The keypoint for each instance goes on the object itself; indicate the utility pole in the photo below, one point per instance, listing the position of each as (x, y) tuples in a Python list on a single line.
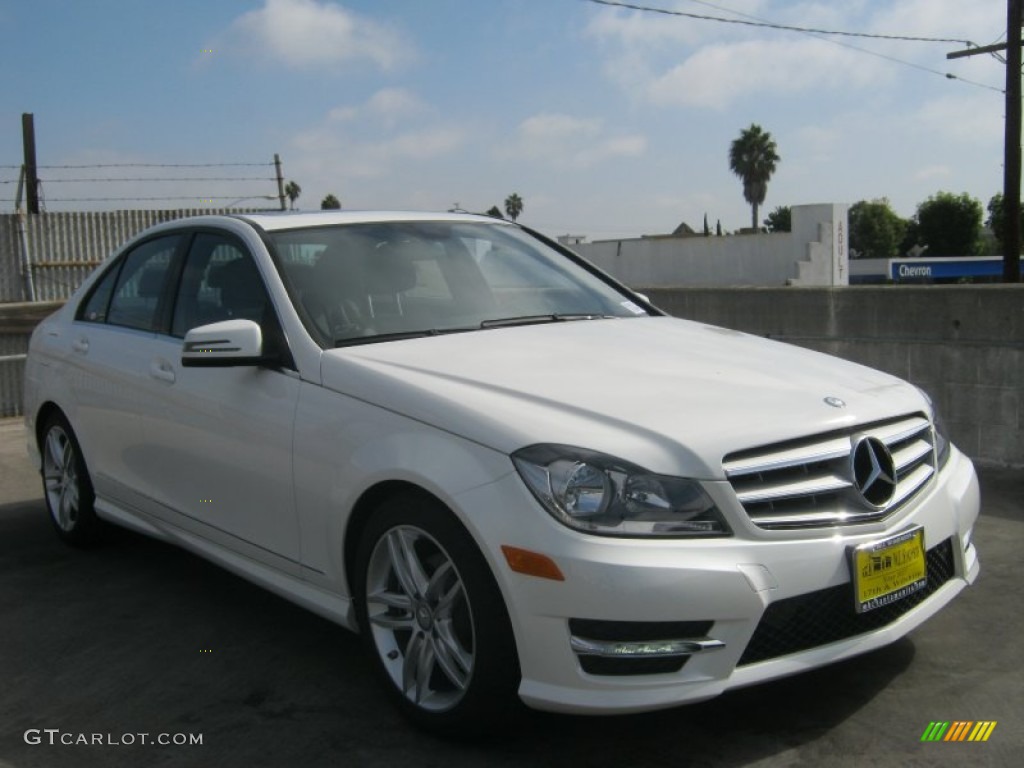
[(28, 142), (1011, 167), (280, 179), (1011, 141)]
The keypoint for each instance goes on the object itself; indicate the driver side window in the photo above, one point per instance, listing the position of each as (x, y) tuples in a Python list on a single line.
[(220, 282)]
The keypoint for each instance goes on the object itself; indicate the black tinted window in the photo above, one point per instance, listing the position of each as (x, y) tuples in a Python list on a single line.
[(220, 282), (141, 283), (94, 309)]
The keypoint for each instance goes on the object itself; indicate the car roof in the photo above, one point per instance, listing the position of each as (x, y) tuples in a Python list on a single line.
[(278, 220)]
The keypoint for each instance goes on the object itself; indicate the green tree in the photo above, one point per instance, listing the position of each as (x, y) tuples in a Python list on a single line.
[(996, 220), (513, 206), (950, 225), (780, 220), (495, 212), (876, 231), (330, 203), (707, 229), (753, 157), (292, 192)]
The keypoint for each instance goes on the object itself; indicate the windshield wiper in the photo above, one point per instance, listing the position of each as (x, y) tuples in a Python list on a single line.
[(504, 322), (400, 335), (501, 322)]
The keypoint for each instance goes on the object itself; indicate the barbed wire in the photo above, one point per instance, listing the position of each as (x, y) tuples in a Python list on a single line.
[(158, 165), (176, 178), (200, 198)]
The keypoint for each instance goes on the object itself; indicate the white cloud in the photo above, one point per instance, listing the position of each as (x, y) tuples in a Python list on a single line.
[(933, 172), (954, 19), (387, 106), (629, 27), (369, 140), (722, 74), (974, 117), (307, 34), (565, 141), (687, 62)]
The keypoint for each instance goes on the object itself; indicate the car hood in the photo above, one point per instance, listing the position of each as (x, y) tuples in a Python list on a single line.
[(672, 395)]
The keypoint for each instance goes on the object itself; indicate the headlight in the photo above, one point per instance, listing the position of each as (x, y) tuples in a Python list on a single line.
[(597, 493), (942, 443)]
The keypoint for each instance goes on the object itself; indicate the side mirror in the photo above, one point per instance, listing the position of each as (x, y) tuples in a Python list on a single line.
[(642, 296), (227, 343)]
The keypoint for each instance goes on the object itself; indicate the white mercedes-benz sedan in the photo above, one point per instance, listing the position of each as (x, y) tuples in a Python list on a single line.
[(515, 478)]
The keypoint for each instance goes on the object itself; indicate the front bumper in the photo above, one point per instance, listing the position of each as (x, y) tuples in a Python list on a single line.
[(717, 592)]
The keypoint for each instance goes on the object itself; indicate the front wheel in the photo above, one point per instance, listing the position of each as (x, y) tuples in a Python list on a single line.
[(433, 617), (66, 485)]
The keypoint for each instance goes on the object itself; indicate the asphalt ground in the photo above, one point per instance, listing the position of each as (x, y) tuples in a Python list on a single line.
[(138, 637)]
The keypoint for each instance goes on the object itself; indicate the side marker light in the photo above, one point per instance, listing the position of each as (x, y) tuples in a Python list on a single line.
[(531, 563)]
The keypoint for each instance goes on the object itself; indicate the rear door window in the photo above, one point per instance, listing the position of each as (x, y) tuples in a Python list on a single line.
[(142, 285)]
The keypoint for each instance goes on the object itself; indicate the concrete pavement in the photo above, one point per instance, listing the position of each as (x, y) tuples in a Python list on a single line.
[(140, 638)]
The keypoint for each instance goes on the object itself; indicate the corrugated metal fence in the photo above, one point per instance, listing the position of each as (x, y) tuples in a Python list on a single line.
[(60, 249), (45, 257)]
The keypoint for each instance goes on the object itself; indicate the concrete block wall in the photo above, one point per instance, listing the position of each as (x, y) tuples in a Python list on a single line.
[(964, 345), (814, 253)]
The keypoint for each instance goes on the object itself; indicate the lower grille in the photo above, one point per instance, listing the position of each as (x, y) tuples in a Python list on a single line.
[(827, 616), (598, 665)]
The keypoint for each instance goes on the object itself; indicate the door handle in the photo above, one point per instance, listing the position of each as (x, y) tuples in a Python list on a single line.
[(162, 370), (80, 345)]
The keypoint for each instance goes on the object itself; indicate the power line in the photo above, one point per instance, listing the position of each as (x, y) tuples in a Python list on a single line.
[(755, 21), (787, 27)]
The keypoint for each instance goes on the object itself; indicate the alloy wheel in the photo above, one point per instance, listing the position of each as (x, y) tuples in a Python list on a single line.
[(420, 618)]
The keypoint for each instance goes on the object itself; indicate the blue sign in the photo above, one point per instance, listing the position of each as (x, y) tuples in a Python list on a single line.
[(930, 269)]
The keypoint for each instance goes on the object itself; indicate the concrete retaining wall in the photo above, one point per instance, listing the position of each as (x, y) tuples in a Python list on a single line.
[(963, 344)]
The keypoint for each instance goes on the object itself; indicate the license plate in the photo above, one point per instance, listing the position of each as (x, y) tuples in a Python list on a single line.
[(888, 570)]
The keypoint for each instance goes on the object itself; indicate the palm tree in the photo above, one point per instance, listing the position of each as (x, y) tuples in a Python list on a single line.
[(292, 192), (330, 203), (513, 206), (753, 158)]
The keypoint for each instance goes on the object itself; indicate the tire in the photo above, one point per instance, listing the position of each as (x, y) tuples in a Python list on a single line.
[(431, 615), (67, 488)]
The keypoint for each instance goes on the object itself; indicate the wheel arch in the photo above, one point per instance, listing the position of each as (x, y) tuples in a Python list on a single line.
[(43, 414), (362, 512)]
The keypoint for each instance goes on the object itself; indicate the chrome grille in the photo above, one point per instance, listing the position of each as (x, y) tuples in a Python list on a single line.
[(809, 483)]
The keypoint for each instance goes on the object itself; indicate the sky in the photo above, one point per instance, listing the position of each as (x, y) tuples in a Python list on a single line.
[(608, 122)]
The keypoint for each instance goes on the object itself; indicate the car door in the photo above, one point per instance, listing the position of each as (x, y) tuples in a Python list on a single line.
[(111, 342), (219, 440)]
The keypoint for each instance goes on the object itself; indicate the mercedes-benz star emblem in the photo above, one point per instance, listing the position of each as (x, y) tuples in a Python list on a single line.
[(835, 402), (874, 472)]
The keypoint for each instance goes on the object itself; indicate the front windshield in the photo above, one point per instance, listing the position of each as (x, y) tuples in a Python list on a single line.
[(358, 283)]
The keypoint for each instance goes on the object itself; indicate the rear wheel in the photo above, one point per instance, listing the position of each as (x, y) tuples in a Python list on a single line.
[(432, 616), (66, 485)]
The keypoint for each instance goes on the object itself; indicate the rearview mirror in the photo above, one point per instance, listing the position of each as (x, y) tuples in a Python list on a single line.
[(227, 343)]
